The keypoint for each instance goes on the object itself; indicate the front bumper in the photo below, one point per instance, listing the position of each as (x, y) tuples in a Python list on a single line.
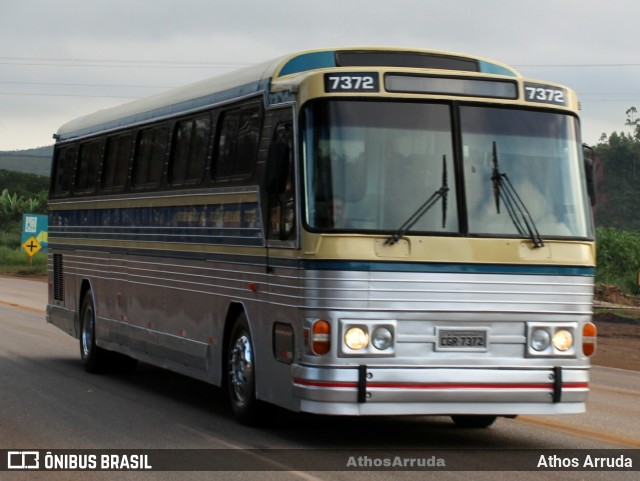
[(364, 390)]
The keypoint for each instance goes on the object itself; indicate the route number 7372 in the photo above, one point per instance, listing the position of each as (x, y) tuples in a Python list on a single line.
[(352, 82), (546, 94)]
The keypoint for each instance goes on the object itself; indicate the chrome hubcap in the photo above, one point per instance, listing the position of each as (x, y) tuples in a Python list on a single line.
[(87, 332), (241, 369)]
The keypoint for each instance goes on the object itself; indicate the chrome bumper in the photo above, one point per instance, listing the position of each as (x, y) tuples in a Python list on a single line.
[(363, 390)]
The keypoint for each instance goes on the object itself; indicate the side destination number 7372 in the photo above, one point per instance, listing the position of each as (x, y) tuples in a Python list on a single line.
[(352, 82)]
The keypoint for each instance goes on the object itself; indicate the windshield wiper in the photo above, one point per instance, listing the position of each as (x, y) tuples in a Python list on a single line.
[(516, 208), (441, 193)]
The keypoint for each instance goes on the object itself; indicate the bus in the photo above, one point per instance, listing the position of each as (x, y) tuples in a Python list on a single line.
[(357, 231)]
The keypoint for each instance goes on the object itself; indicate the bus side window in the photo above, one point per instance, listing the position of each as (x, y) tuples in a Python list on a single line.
[(63, 172), (88, 166), (236, 148), (115, 169), (189, 152), (148, 162), (282, 200)]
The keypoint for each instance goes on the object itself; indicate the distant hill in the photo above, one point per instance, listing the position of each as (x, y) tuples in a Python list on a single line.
[(30, 161)]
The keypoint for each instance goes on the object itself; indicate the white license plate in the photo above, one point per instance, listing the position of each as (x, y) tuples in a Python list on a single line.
[(462, 340)]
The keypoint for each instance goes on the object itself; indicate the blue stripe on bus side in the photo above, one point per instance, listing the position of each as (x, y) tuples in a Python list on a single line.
[(185, 237), (226, 224)]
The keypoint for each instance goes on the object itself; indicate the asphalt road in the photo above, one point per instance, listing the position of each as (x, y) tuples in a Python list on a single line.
[(48, 402)]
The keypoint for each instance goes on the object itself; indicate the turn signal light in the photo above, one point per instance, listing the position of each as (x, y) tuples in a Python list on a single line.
[(589, 338), (321, 337)]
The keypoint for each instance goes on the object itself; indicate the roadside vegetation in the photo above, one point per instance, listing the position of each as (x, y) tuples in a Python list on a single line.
[(28, 195), (618, 259)]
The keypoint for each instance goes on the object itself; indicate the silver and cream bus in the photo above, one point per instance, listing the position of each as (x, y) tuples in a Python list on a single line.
[(365, 231)]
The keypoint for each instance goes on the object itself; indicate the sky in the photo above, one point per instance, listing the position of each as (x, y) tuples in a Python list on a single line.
[(66, 58)]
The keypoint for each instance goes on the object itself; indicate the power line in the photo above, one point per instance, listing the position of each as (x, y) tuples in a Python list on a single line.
[(56, 84), (578, 65), (188, 62), (69, 95), (117, 63)]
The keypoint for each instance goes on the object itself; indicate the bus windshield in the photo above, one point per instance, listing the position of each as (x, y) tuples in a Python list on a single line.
[(371, 166)]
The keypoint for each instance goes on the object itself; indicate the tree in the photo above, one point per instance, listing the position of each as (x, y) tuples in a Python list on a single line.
[(620, 184), (633, 121)]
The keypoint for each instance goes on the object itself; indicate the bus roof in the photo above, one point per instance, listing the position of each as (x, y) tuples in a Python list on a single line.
[(258, 78)]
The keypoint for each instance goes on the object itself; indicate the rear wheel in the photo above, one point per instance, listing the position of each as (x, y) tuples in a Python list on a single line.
[(473, 421), (241, 371), (93, 357)]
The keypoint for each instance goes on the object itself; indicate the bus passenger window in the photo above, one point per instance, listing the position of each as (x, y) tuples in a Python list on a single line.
[(65, 161), (191, 142), (88, 166), (148, 162), (116, 162), (237, 143)]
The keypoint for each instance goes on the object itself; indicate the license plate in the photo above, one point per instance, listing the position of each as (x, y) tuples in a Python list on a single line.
[(462, 340)]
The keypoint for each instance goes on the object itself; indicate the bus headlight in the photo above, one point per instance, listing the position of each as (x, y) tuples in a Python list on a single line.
[(356, 338), (562, 340), (382, 338), (364, 338), (550, 339), (540, 340)]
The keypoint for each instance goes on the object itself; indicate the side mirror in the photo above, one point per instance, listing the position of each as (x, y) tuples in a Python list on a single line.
[(278, 161)]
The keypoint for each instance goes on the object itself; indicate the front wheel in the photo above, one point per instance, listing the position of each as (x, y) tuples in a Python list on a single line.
[(241, 370)]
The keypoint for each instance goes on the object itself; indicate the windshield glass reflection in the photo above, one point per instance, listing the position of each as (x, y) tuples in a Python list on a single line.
[(371, 165), (541, 155)]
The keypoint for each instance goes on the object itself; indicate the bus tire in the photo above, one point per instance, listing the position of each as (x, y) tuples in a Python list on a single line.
[(93, 357), (472, 422), (241, 372)]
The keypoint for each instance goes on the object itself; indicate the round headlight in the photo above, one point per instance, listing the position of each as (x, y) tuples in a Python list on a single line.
[(563, 340), (382, 338), (540, 340), (356, 338)]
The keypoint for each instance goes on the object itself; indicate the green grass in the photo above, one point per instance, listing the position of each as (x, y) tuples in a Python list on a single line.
[(16, 261)]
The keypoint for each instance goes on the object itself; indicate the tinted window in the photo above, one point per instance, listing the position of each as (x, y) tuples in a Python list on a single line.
[(237, 143), (88, 166), (65, 160), (116, 162), (190, 150), (149, 157)]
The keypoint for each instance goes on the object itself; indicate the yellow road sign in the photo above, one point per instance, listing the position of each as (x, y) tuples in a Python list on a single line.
[(31, 246)]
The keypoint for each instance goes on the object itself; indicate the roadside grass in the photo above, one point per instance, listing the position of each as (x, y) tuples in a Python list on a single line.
[(16, 261)]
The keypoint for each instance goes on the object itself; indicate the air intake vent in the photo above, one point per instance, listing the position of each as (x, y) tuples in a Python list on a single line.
[(58, 278)]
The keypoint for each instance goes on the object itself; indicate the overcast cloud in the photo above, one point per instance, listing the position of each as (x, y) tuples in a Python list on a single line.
[(65, 58)]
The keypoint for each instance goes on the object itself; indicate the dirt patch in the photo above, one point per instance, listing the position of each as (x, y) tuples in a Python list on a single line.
[(618, 328), (613, 295), (618, 341)]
